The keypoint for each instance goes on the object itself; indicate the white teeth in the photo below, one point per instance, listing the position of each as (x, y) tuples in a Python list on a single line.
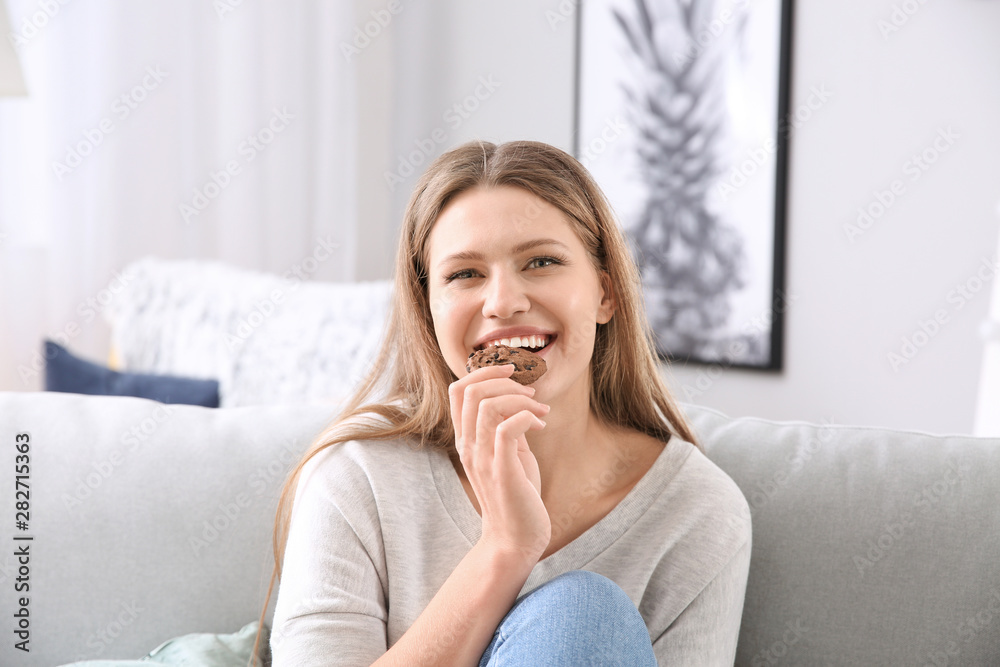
[(521, 341)]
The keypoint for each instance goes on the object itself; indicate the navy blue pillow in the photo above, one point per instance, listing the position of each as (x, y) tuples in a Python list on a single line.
[(68, 373)]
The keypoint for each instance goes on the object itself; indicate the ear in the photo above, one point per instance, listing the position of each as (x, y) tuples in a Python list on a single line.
[(608, 303)]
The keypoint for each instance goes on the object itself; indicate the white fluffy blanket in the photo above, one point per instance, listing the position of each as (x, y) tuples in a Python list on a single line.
[(267, 339)]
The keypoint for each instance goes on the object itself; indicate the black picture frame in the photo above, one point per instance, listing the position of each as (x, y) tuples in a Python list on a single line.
[(696, 172)]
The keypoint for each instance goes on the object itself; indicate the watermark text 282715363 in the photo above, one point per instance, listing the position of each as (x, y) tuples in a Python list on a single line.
[(22, 542)]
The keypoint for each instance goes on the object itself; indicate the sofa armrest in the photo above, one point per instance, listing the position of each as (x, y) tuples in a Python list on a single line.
[(149, 521), (870, 546)]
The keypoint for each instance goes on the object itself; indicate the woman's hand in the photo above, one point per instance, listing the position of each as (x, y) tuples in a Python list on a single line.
[(491, 414)]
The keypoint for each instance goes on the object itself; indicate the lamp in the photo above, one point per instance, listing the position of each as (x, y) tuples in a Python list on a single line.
[(11, 81)]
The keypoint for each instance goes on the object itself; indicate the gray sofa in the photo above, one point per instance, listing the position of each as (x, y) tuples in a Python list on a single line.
[(871, 547)]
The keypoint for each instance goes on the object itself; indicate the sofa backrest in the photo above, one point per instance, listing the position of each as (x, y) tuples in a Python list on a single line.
[(870, 546)]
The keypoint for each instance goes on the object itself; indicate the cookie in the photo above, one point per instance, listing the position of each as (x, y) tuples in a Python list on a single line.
[(529, 365)]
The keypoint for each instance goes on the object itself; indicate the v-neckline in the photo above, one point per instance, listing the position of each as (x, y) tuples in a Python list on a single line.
[(589, 544)]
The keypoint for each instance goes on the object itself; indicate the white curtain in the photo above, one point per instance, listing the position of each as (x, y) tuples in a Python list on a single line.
[(219, 129)]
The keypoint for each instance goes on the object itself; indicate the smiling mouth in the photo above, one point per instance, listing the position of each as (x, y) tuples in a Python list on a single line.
[(533, 343)]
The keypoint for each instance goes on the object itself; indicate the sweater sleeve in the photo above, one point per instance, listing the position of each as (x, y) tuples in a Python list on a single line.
[(331, 606), (707, 631)]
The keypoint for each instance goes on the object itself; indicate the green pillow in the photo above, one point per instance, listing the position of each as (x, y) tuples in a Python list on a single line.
[(203, 649)]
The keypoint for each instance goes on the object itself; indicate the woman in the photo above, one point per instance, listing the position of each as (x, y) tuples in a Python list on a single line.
[(459, 518)]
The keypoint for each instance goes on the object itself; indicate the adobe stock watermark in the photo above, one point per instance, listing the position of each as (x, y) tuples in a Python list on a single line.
[(563, 12), (227, 514), (710, 33), (101, 639), (901, 14), (454, 116), (269, 304), (121, 108), (248, 149), (759, 157), (303, 606), (101, 471), (768, 487), (88, 309), (927, 329), (442, 648), (737, 347), (612, 131), (225, 7), (894, 530), (364, 35), (32, 24), (970, 627), (914, 169), (595, 489), (437, 651), (778, 649)]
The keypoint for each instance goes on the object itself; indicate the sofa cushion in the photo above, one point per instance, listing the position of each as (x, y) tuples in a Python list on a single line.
[(870, 546), (68, 373), (150, 521)]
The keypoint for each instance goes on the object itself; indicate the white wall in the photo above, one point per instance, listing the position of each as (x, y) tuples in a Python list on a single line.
[(853, 302)]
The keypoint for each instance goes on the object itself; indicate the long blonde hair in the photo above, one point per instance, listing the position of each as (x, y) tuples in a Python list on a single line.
[(408, 398)]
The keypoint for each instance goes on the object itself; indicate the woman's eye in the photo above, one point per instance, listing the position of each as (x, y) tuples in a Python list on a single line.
[(542, 262), (533, 263), (459, 275)]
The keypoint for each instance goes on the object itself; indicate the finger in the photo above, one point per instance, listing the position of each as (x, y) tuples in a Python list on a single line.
[(504, 472), (477, 392), (456, 391), (508, 439), (496, 410)]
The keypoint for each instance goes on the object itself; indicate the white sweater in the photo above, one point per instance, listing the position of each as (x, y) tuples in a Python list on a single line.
[(377, 527)]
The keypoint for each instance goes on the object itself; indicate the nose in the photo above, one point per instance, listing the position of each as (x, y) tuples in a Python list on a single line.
[(504, 296)]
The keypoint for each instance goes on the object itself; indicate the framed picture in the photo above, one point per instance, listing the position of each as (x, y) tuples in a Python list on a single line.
[(682, 117)]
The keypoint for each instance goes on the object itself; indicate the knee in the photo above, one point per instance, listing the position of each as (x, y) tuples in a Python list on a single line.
[(576, 618), (585, 586), (582, 593)]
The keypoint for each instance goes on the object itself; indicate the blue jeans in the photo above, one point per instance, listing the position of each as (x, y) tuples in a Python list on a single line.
[(579, 618)]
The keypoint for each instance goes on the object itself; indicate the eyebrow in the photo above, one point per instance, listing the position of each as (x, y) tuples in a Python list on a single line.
[(472, 255)]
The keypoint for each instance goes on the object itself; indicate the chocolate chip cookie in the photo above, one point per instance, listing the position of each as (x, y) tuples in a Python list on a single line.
[(529, 365)]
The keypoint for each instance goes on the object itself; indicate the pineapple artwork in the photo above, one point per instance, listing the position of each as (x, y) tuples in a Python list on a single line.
[(674, 75)]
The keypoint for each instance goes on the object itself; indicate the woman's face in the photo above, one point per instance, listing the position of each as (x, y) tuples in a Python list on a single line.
[(505, 264)]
